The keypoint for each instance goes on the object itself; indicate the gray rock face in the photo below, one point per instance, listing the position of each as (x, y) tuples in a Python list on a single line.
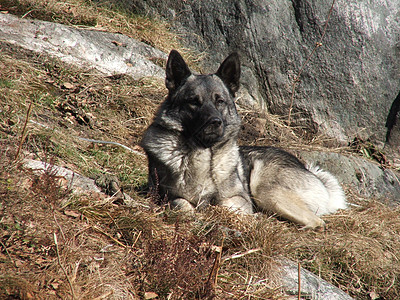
[(350, 83), (312, 286), (107, 52)]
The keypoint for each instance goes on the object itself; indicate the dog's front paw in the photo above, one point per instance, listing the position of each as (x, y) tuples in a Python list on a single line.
[(316, 225), (238, 204), (183, 206)]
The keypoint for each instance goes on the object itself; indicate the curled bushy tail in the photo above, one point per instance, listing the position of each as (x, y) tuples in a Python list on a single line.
[(337, 198)]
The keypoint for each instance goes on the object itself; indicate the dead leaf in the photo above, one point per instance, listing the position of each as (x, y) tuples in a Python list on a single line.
[(217, 249), (19, 264), (137, 148), (68, 85), (49, 80), (71, 213), (55, 285), (373, 295), (2, 257), (39, 261), (150, 295)]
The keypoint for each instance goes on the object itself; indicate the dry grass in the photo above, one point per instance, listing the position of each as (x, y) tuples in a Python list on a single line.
[(94, 107), (263, 128), (359, 252), (91, 249), (152, 250), (107, 250)]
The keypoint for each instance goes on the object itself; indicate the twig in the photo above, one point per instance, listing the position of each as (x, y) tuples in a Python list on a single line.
[(299, 281), (109, 236), (21, 141), (62, 232), (212, 278), (112, 143), (137, 238), (75, 271), (28, 13), (62, 267), (95, 141), (238, 255), (297, 78)]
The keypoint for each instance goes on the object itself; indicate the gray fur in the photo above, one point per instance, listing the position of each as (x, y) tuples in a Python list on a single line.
[(195, 161)]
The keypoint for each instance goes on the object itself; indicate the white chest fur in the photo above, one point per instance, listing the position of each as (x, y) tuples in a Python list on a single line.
[(206, 173)]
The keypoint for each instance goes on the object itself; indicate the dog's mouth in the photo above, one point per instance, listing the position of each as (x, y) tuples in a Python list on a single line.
[(210, 133)]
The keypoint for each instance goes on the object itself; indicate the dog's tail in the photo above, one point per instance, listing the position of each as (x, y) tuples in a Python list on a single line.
[(337, 198)]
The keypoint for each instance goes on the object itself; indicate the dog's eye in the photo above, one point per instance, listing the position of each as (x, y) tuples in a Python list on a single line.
[(193, 103), (219, 100)]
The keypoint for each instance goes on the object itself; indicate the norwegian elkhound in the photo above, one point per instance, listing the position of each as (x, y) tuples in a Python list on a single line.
[(194, 159)]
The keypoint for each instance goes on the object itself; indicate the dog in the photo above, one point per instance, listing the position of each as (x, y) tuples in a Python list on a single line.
[(194, 159)]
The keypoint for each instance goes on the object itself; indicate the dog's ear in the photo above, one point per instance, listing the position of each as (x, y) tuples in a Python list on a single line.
[(176, 71), (229, 72)]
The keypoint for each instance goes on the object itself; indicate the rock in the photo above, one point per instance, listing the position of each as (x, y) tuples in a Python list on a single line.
[(74, 181), (109, 53), (365, 177), (312, 286), (77, 183), (345, 90)]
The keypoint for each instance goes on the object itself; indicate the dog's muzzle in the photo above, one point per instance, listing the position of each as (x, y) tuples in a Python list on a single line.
[(211, 132), (213, 127)]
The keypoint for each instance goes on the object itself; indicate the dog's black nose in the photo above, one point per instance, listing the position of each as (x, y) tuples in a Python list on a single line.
[(215, 122), (214, 125)]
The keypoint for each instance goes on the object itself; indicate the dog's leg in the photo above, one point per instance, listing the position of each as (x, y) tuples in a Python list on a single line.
[(290, 206), (183, 206), (238, 204)]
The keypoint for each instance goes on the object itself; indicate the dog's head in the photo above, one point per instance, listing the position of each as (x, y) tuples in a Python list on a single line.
[(202, 105)]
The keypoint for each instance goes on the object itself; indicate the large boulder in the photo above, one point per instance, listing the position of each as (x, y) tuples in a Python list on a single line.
[(109, 53), (347, 88)]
